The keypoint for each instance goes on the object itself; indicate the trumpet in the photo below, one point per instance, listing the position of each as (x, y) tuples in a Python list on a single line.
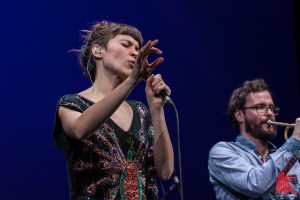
[(287, 126)]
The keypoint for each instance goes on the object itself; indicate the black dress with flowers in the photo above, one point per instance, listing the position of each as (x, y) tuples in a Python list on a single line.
[(112, 163)]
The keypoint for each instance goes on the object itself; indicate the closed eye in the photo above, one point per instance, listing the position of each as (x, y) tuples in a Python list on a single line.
[(128, 44)]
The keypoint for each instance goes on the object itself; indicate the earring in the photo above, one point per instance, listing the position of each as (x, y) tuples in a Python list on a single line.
[(98, 51)]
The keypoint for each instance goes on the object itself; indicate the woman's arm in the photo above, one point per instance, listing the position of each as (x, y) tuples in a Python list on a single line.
[(163, 149), (82, 125)]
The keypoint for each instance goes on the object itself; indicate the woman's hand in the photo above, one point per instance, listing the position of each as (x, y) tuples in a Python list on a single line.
[(154, 86), (142, 68)]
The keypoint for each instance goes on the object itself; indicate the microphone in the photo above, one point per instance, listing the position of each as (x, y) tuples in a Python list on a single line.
[(166, 97), (162, 94)]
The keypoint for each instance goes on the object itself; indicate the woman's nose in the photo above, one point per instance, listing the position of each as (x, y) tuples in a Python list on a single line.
[(133, 52)]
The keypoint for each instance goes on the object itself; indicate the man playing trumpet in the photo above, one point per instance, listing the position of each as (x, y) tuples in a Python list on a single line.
[(252, 167)]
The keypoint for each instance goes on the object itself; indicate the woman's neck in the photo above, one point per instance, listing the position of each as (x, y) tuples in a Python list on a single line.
[(100, 88)]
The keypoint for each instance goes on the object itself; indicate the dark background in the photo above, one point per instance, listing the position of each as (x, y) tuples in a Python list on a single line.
[(210, 48)]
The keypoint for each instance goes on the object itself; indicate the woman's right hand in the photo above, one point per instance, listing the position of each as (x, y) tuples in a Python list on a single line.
[(142, 68)]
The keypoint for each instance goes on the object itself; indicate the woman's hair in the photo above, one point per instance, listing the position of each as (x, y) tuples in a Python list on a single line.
[(101, 33), (239, 96)]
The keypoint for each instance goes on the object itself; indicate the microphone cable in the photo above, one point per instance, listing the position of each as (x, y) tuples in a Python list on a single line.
[(171, 103)]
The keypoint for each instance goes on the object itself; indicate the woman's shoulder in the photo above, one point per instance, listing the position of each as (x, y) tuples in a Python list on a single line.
[(68, 98), (74, 101)]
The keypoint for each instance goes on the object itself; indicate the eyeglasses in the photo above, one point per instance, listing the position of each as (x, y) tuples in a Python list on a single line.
[(262, 109)]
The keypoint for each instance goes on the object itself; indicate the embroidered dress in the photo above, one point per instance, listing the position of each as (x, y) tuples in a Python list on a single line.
[(112, 163)]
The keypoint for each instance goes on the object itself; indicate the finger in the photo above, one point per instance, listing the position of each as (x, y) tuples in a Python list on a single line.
[(147, 45), (149, 68), (149, 83), (298, 122), (154, 42), (296, 132), (157, 79), (149, 48), (144, 51), (150, 80), (159, 85), (156, 62), (154, 50), (165, 88)]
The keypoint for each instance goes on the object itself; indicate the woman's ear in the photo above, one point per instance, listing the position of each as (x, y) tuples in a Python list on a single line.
[(96, 51)]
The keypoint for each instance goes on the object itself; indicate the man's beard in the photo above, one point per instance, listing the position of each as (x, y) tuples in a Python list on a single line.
[(257, 131)]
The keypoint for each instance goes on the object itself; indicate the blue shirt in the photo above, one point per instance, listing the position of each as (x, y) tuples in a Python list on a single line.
[(237, 171)]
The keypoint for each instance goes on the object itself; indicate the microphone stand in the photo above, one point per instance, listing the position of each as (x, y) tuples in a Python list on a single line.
[(176, 184)]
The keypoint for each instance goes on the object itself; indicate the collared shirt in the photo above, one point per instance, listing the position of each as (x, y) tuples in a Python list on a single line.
[(238, 172)]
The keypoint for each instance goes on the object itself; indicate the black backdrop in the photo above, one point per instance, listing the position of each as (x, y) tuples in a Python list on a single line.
[(210, 48)]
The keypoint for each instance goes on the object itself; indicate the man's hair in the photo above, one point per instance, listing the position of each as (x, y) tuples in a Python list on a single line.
[(239, 96), (100, 33)]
